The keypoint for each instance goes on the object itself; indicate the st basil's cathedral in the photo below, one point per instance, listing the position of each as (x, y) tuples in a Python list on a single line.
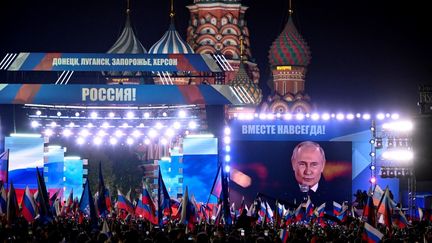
[(219, 28)]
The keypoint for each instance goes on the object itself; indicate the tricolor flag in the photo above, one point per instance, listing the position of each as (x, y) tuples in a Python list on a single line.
[(319, 211), (337, 208), (400, 220), (371, 235), (4, 164), (420, 213), (217, 184), (28, 206), (146, 207), (188, 214), (284, 235), (124, 203)]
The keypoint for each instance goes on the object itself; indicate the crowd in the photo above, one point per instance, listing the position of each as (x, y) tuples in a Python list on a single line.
[(63, 229)]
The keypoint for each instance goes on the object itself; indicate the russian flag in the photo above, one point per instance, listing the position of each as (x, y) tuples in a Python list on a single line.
[(371, 235), (123, 202), (4, 160), (319, 212), (28, 206), (400, 220), (217, 184), (146, 207), (309, 207), (337, 208), (284, 235)]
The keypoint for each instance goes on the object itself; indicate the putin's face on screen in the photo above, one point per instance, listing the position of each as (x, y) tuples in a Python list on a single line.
[(308, 161)]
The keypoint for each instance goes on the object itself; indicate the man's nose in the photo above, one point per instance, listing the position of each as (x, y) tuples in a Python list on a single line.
[(307, 171)]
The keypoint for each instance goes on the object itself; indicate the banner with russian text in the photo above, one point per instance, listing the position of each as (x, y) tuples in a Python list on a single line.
[(30, 61)]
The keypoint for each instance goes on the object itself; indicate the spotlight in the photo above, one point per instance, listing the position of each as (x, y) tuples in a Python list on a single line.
[(384, 173), (372, 154), (147, 141), (227, 131), (77, 114), (136, 133), (105, 125), (129, 141), (111, 115), (182, 114), (113, 141), (325, 116), (227, 168), (118, 133), (125, 125), (38, 113), (379, 143), (59, 113), (152, 133), (372, 141), (380, 116), (270, 116), (227, 148), (159, 125), (372, 167), (146, 115), (71, 124), (192, 125), (227, 158), (84, 133), (80, 141), (164, 114), (300, 116), (340, 116), (394, 116), (315, 116), (130, 115), (176, 125), (48, 132), (366, 116), (67, 132), (93, 115), (350, 116), (164, 141), (227, 140), (169, 133), (262, 116), (288, 116), (53, 124), (373, 180), (89, 125), (34, 124)]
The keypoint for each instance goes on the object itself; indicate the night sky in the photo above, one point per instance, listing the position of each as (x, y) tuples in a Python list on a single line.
[(366, 55)]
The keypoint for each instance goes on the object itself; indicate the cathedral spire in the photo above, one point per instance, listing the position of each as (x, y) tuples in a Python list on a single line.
[(290, 11), (172, 13)]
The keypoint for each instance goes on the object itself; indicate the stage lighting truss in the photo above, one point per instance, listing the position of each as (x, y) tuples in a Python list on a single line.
[(115, 124), (396, 172)]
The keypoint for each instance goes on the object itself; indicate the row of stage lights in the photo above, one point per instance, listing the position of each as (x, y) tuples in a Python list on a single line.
[(87, 134), (105, 115), (314, 116)]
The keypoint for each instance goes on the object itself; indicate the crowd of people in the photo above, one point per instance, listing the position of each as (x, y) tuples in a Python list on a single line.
[(244, 229)]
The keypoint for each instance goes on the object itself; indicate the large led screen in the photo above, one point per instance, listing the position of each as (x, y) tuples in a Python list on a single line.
[(200, 164), (25, 154), (266, 168)]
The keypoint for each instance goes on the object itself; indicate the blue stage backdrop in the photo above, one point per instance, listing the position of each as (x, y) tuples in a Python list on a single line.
[(261, 153), (73, 176)]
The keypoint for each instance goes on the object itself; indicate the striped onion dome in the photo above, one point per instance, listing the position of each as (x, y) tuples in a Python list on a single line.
[(171, 43), (249, 90), (289, 48), (127, 43)]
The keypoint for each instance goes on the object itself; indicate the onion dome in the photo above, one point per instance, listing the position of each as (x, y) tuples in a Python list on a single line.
[(247, 90), (171, 43), (289, 49), (127, 42)]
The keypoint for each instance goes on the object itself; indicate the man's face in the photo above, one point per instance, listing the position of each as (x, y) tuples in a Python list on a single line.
[(308, 166)]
